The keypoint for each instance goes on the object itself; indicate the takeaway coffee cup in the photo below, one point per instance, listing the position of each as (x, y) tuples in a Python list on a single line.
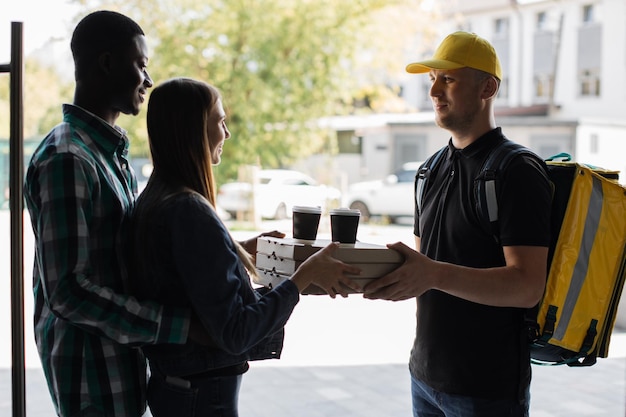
[(344, 224), (305, 222)]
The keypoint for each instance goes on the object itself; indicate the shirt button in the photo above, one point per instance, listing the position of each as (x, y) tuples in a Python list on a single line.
[(123, 166)]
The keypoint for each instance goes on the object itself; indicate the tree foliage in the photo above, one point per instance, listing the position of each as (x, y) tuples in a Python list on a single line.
[(44, 91), (280, 64)]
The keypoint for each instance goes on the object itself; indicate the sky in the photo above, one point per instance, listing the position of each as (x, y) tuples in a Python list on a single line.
[(42, 20)]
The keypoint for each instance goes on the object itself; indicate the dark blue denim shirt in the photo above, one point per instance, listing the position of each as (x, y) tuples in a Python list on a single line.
[(192, 262)]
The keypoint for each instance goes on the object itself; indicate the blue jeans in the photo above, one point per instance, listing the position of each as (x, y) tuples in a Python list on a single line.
[(203, 397), (430, 403)]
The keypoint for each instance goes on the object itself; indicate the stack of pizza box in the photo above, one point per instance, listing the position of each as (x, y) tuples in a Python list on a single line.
[(277, 259)]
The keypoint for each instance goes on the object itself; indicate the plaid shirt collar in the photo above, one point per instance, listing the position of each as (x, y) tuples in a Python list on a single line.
[(112, 139)]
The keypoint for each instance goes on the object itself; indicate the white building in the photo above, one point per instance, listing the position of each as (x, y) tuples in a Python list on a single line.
[(563, 89)]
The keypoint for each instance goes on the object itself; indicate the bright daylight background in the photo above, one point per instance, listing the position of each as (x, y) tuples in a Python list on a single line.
[(43, 20), (52, 19)]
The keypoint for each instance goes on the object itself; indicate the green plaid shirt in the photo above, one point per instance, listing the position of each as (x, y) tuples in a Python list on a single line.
[(80, 191)]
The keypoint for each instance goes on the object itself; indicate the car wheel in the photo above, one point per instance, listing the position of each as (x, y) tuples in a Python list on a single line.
[(281, 212), (365, 213)]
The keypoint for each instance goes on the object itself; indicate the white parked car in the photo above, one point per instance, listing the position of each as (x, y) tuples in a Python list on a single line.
[(392, 197), (276, 192)]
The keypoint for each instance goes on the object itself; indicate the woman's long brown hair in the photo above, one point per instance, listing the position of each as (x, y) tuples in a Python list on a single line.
[(178, 114)]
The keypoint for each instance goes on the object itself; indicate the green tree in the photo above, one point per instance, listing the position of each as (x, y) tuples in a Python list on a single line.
[(44, 91), (280, 64)]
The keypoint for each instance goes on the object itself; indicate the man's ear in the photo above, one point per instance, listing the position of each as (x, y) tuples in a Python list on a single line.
[(104, 62), (490, 88)]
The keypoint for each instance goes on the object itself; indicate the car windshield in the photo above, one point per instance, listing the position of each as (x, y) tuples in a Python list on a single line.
[(294, 181), (406, 176)]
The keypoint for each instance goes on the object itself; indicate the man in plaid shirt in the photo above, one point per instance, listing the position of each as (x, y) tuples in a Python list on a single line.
[(80, 190)]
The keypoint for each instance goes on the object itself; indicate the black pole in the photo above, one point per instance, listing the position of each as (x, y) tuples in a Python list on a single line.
[(16, 205)]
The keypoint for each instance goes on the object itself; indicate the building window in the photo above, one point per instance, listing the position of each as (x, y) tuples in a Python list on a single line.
[(589, 50), (590, 83), (543, 86), (544, 53), (541, 21), (501, 27), (348, 142), (547, 145), (588, 13)]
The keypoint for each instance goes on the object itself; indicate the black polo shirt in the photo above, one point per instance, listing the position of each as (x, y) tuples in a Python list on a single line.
[(462, 347)]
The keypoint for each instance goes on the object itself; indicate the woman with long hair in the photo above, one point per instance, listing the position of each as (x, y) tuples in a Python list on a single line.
[(185, 257)]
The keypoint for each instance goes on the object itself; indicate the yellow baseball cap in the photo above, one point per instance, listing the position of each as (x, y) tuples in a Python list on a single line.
[(460, 50)]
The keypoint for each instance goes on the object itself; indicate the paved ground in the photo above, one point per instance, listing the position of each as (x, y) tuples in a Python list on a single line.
[(381, 390), (342, 358)]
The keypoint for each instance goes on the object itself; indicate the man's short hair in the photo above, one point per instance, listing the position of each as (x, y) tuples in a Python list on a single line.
[(99, 32)]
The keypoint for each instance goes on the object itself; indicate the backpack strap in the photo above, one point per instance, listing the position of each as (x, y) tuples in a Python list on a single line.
[(486, 183), (423, 174)]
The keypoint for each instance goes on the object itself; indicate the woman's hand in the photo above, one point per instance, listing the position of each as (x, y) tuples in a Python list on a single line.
[(250, 244), (327, 273)]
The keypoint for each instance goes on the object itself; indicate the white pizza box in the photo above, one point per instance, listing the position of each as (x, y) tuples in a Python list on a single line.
[(271, 262), (278, 258), (271, 279), (299, 250)]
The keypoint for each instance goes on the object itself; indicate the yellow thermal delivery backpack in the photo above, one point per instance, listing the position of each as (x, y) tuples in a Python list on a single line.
[(573, 322), (587, 271)]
